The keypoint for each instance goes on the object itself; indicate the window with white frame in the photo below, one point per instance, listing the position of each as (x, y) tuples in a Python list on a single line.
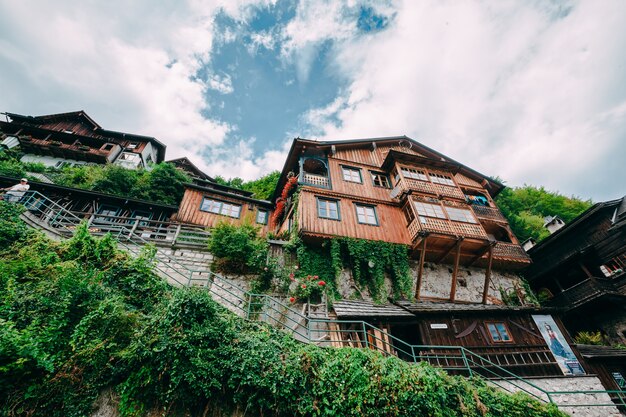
[(460, 215), (327, 209), (261, 217), (429, 210), (351, 174), (366, 214), (220, 207), (415, 174), (441, 179)]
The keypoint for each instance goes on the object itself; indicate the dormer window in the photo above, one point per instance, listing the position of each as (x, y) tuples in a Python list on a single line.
[(132, 145), (69, 132)]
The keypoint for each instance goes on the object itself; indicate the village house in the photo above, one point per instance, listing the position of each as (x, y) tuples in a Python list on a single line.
[(581, 269), (74, 138)]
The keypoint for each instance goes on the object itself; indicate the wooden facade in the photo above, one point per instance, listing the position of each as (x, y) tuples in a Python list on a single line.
[(230, 205), (419, 197), (74, 138)]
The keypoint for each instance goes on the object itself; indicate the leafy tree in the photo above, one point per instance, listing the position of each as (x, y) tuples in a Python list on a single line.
[(525, 208), (263, 187), (164, 183), (116, 180)]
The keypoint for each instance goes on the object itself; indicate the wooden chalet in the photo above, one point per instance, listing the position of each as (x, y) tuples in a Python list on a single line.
[(207, 203), (398, 190), (74, 138), (189, 168), (581, 268)]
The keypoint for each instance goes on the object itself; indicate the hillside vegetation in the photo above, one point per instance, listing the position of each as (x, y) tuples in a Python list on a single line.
[(81, 316), (525, 208)]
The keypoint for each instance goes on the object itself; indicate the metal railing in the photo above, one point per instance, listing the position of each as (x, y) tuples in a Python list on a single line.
[(323, 332)]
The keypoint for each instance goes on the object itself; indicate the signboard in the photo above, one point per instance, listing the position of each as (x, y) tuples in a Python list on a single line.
[(559, 347), (438, 326)]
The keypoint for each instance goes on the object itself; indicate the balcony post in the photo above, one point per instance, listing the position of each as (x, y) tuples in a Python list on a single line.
[(488, 275), (420, 271), (456, 269)]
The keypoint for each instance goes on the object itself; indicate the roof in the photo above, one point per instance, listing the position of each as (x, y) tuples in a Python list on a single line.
[(352, 308), (429, 153), (596, 351), (185, 164), (225, 193), (405, 309)]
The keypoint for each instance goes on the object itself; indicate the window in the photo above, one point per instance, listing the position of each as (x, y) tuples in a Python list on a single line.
[(366, 214), (499, 332), (352, 174), (380, 180), (130, 157), (408, 213), (415, 174), (107, 146), (220, 207), (429, 210), (132, 145), (328, 209), (441, 179), (261, 217), (460, 215), (141, 215)]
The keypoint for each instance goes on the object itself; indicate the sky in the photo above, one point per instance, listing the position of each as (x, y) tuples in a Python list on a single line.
[(533, 92)]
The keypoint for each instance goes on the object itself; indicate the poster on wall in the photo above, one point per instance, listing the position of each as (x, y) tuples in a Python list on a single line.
[(558, 345)]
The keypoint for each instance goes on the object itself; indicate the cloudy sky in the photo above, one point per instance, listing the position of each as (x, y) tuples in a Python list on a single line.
[(531, 91)]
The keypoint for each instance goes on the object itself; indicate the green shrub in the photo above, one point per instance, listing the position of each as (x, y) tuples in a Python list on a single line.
[(237, 248), (11, 227), (589, 338)]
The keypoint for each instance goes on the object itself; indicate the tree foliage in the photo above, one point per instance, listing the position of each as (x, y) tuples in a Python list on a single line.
[(81, 316), (525, 208), (262, 188)]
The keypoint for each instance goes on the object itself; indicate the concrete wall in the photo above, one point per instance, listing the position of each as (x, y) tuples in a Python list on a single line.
[(573, 383)]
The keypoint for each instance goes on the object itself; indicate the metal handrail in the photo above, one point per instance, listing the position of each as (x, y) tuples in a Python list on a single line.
[(470, 361)]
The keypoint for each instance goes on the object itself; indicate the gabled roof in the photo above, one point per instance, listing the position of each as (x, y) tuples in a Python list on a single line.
[(73, 115), (185, 164), (299, 144)]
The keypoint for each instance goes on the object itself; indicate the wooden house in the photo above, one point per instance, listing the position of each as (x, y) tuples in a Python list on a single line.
[(74, 138), (398, 190), (581, 268), (207, 203)]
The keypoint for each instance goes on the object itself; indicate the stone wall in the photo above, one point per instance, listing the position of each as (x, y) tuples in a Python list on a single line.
[(573, 383)]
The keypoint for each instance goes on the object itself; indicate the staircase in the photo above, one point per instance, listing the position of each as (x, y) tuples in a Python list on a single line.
[(310, 325)]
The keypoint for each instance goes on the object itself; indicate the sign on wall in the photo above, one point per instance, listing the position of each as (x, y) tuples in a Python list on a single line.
[(558, 345)]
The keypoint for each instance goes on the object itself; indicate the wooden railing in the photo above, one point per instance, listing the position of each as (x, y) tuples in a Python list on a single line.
[(314, 180), (426, 187), (490, 213), (447, 227), (505, 250), (586, 291)]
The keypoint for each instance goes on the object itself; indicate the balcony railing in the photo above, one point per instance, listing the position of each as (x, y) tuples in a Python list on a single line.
[(314, 180), (489, 213), (447, 227), (426, 187), (584, 292), (505, 250)]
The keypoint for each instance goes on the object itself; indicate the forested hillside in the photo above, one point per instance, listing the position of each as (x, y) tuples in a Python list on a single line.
[(525, 208), (80, 317)]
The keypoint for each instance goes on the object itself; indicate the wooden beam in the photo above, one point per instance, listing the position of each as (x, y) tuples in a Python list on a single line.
[(488, 275), (420, 271), (456, 270), (584, 268), (455, 245), (479, 254)]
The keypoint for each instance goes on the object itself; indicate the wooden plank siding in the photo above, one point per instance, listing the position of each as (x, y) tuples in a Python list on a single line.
[(189, 210), (392, 224)]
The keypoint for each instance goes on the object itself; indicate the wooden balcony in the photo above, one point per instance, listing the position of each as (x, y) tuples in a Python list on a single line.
[(407, 185), (510, 251), (445, 227), (588, 291), (488, 213), (63, 150), (314, 180)]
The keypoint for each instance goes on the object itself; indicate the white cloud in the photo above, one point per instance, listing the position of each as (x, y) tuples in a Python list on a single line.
[(533, 94), (222, 84)]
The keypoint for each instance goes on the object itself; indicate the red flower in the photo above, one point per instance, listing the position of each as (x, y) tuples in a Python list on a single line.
[(321, 283), (315, 277), (292, 277), (292, 300), (303, 286)]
